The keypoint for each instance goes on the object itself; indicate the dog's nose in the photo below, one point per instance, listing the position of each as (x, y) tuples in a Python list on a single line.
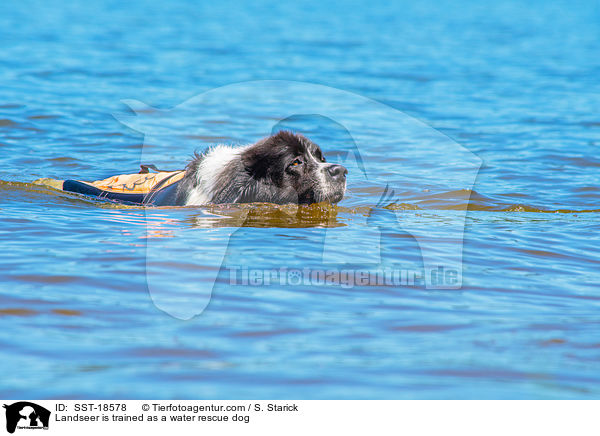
[(336, 171)]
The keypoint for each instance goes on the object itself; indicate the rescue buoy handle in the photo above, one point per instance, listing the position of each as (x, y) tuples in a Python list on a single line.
[(145, 169)]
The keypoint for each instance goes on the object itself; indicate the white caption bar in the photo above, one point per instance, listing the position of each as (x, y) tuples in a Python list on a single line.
[(300, 417)]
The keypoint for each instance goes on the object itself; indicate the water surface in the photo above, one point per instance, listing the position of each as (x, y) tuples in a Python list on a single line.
[(515, 84)]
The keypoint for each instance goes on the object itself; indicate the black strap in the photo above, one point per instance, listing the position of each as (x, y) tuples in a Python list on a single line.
[(164, 181)]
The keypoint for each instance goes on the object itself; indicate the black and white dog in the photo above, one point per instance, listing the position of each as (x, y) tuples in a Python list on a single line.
[(283, 168)]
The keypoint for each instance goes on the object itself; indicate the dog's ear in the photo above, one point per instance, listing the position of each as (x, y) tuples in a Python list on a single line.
[(256, 160), (267, 157)]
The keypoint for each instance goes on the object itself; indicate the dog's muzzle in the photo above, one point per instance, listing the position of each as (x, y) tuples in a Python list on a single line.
[(337, 172)]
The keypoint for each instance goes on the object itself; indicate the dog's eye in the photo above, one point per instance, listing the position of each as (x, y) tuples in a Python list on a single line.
[(296, 162)]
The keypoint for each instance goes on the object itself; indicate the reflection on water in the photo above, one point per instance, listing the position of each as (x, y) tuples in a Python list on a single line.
[(266, 215)]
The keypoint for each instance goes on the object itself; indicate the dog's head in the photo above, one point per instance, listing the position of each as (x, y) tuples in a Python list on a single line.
[(291, 169)]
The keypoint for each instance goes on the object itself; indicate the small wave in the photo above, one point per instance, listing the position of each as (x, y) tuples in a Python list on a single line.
[(526, 208), (463, 199), (471, 200)]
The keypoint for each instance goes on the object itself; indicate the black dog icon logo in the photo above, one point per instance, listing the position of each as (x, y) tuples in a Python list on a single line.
[(26, 415)]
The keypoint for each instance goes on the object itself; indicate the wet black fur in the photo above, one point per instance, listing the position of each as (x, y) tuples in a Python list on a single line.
[(264, 172)]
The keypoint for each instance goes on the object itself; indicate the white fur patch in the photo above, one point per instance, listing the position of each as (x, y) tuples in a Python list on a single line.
[(211, 166), (321, 175)]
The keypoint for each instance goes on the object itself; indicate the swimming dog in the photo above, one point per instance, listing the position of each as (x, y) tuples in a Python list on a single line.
[(285, 168)]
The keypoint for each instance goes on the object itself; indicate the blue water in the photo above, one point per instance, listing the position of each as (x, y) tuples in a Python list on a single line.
[(514, 84)]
